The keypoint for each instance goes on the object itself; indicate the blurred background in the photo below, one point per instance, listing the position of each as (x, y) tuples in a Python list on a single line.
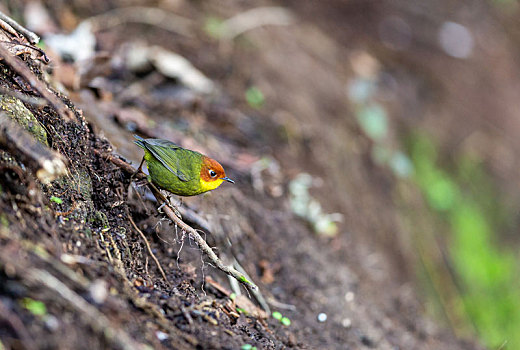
[(394, 124)]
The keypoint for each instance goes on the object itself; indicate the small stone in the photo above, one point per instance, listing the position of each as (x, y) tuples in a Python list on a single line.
[(346, 322), (161, 335), (52, 323), (322, 317), (98, 291)]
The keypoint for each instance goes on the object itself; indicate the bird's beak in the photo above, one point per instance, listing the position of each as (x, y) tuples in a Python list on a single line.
[(227, 179)]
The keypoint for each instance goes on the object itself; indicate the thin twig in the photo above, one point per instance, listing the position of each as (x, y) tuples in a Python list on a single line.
[(32, 37), (254, 18), (279, 305), (170, 212), (20, 68), (147, 15), (43, 57), (149, 248)]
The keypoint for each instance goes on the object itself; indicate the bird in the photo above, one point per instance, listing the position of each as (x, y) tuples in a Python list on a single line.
[(180, 171)]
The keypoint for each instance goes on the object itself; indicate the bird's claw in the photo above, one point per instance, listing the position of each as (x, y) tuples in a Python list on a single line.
[(172, 207)]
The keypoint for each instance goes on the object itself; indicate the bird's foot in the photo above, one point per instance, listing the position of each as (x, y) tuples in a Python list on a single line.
[(173, 207), (141, 183)]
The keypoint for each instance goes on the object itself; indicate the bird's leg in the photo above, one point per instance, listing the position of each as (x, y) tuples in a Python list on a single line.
[(140, 182), (178, 204), (162, 205), (160, 197), (139, 170), (168, 200)]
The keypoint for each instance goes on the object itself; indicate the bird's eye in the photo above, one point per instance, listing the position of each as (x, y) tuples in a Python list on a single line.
[(212, 173)]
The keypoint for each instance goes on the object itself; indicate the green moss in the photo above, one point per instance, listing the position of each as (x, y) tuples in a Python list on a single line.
[(99, 219), (17, 111)]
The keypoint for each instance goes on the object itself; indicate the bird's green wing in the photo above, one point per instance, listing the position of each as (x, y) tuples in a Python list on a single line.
[(168, 153)]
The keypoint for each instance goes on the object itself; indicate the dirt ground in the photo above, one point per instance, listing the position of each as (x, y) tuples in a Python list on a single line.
[(70, 245)]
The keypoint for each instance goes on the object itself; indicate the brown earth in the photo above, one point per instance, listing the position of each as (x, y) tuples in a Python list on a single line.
[(81, 257)]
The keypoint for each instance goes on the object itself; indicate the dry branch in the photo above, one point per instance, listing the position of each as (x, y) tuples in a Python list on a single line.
[(147, 15), (33, 38)]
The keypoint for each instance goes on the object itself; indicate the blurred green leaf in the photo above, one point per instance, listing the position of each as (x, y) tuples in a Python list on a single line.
[(441, 193), (56, 200), (254, 97), (277, 315), (401, 165), (486, 274), (36, 307), (285, 321), (373, 121), (213, 27)]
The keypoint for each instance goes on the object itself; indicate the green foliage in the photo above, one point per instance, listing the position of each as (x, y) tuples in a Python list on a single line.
[(281, 318), (373, 120), (248, 347), (254, 97), (56, 200), (285, 321), (277, 315), (244, 280), (35, 307), (213, 27), (487, 274), (401, 164)]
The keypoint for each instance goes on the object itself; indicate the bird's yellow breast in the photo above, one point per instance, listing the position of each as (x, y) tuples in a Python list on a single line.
[(209, 185)]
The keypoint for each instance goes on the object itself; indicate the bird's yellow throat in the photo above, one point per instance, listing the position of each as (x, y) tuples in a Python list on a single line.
[(210, 185)]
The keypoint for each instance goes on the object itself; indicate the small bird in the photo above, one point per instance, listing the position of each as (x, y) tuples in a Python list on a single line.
[(178, 170)]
